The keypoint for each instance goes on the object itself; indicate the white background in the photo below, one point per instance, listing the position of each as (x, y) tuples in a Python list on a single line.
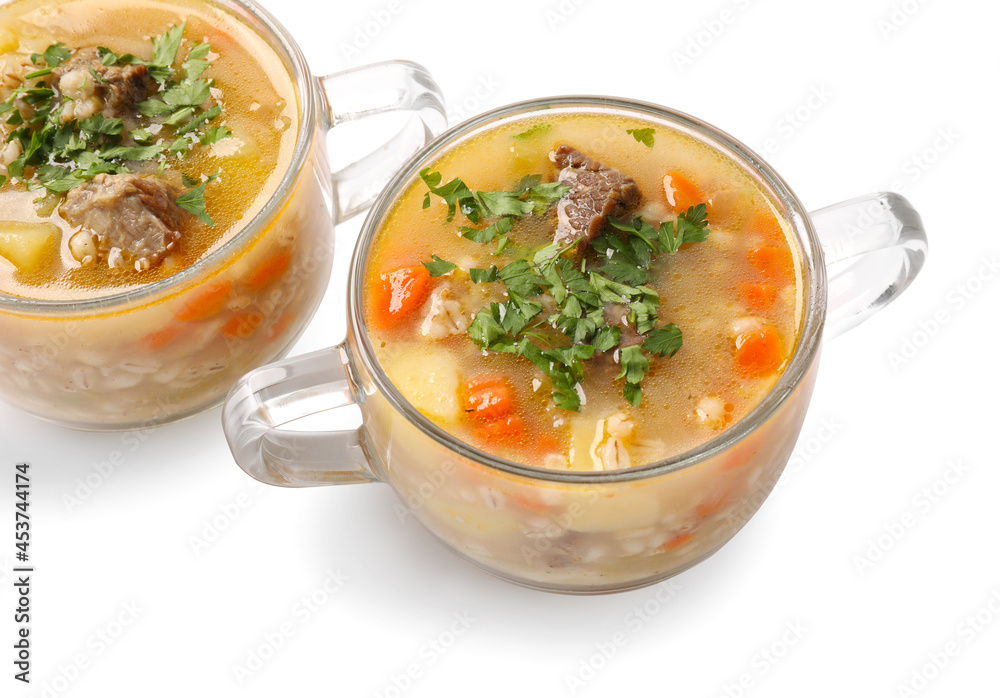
[(902, 426)]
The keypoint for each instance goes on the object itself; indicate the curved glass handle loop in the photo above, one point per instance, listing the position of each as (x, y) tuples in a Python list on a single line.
[(280, 393), (873, 246), (377, 89)]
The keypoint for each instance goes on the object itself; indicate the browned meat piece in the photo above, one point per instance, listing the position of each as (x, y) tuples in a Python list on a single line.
[(134, 221), (597, 191), (614, 316), (117, 88)]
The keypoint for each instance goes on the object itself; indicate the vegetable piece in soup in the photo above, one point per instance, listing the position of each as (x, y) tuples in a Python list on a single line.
[(598, 300)]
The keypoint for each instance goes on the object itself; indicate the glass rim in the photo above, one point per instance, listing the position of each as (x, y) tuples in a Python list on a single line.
[(806, 350), (277, 37)]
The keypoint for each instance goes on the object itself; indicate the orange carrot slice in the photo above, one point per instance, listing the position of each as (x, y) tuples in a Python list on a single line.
[(682, 193), (774, 262), (677, 541), (764, 225), (759, 352), (396, 294), (269, 270), (489, 397), (242, 326), (160, 338), (207, 302), (506, 431)]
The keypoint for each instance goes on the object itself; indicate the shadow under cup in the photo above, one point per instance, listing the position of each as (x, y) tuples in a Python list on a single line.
[(142, 357), (573, 532)]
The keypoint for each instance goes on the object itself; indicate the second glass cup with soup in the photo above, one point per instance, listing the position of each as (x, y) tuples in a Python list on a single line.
[(583, 333), (96, 331)]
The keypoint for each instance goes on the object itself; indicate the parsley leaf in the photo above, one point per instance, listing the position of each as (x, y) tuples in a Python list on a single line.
[(665, 341), (455, 193), (188, 94), (142, 136), (635, 366), (490, 232), (480, 276), (194, 202), (54, 55), (99, 124), (439, 267), (536, 130), (642, 135), (154, 107), (196, 64), (502, 203), (214, 134), (486, 329), (107, 56), (524, 201), (165, 47), (607, 338), (690, 227)]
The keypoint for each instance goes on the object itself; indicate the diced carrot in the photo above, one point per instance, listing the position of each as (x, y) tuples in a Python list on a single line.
[(279, 327), (763, 224), (397, 294), (677, 541), (506, 431), (712, 504), (682, 193), (759, 352), (160, 338), (741, 456), (242, 326), (207, 302), (489, 397), (758, 297), (269, 270), (775, 263), (529, 501)]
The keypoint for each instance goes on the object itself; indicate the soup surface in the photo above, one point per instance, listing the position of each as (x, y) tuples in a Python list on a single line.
[(583, 291), (137, 138)]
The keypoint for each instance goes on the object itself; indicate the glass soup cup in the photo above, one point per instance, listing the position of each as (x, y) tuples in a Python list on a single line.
[(142, 358), (573, 532)]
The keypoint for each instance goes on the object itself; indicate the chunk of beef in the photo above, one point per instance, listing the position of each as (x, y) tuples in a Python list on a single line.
[(616, 315), (134, 220), (114, 91), (597, 191)]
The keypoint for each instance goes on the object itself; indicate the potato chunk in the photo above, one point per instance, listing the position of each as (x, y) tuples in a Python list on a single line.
[(9, 40), (26, 244), (429, 380)]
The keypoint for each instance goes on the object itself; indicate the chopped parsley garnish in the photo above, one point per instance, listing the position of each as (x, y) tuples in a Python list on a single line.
[(439, 267), (642, 135), (54, 55), (560, 341), (536, 130), (60, 151)]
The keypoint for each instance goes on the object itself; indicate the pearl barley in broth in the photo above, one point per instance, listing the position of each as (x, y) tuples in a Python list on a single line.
[(583, 291)]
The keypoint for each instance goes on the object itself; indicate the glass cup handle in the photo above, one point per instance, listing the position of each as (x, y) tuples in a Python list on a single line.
[(873, 246), (273, 396), (377, 89)]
